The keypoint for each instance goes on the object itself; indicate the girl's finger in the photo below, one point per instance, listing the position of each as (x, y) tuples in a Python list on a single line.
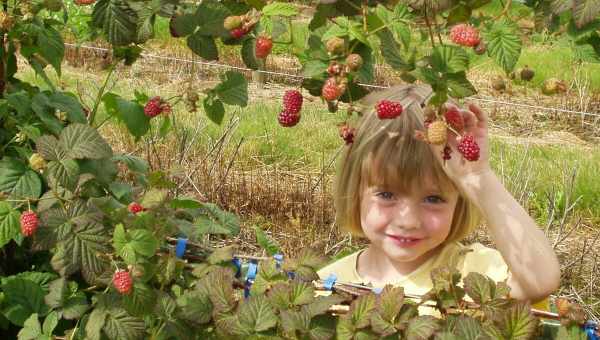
[(470, 119), (480, 114)]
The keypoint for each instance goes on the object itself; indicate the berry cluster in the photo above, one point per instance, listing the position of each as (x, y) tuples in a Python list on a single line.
[(29, 223), (239, 25), (292, 104), (333, 89), (156, 106), (387, 109), (122, 281), (263, 47), (135, 207), (465, 35), (347, 133)]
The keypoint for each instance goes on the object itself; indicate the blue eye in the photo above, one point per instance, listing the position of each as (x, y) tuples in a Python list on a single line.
[(385, 195), (435, 199)]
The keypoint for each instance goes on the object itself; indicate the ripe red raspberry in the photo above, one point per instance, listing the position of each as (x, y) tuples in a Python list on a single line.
[(292, 101), (263, 47), (331, 91), (454, 118), (288, 119), (122, 281), (468, 148), (153, 107), (387, 109), (29, 223), (465, 35), (237, 33), (334, 68), (135, 207), (446, 153), (347, 133)]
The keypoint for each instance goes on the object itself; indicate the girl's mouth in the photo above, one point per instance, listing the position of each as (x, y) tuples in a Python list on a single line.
[(404, 241)]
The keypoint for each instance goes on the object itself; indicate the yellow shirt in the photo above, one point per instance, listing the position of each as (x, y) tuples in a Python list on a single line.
[(480, 259)]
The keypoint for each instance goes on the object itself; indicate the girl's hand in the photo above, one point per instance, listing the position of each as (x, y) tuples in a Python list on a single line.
[(457, 167)]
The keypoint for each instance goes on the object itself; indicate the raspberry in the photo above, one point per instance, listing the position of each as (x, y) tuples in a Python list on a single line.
[(84, 2), (331, 91), (122, 281), (135, 207), (468, 148), (263, 47), (237, 33), (387, 109), (446, 153), (454, 118), (292, 101), (156, 106), (232, 22), (465, 35), (36, 162), (354, 62), (288, 119), (334, 69), (347, 133), (436, 132), (29, 223), (335, 45)]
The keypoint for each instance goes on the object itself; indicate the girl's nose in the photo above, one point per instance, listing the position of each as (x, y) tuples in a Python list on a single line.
[(406, 217)]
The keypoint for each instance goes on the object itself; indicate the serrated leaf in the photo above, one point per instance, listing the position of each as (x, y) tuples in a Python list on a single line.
[(256, 314), (585, 11), (301, 293), (49, 149), (203, 46), (321, 304), (64, 173), (21, 299), (185, 24), (50, 323), (31, 328), (83, 141), (95, 323), (267, 243), (421, 328), (195, 307), (314, 68), (249, 54), (211, 14), (467, 328), (459, 86), (117, 21), (517, 322), (233, 89), (130, 112), (361, 308), (141, 300), (381, 326), (51, 46), (71, 304), (478, 287), (390, 50), (183, 203), (153, 198), (221, 254), (279, 295), (219, 220), (120, 325), (9, 223), (503, 44), (449, 59), (214, 109), (219, 285), (390, 301), (280, 9), (68, 103), (18, 180), (292, 320)]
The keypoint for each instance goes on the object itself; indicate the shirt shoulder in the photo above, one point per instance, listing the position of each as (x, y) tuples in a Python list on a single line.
[(486, 261), (344, 269)]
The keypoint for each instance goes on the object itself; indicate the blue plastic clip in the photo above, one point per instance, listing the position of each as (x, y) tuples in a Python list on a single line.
[(330, 281), (180, 249), (377, 290), (252, 270), (238, 267), (291, 275), (590, 328), (278, 260)]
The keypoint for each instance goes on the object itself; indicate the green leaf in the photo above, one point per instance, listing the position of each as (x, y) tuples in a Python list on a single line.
[(573, 332), (154, 198), (63, 173), (203, 46), (130, 112), (503, 44), (267, 243), (51, 47), (321, 304), (221, 254), (280, 9), (9, 223), (211, 15), (49, 148), (219, 286), (233, 89), (585, 11), (360, 309), (559, 6), (421, 328), (314, 68), (32, 329), (83, 141), (390, 51), (459, 13), (467, 328), (185, 24), (249, 54), (68, 103), (95, 323), (478, 287), (64, 298), (292, 320), (43, 109), (223, 221), (117, 21), (140, 301), (382, 326), (214, 109), (182, 203), (129, 245), (301, 293), (120, 325), (21, 299), (18, 180), (518, 322), (459, 86), (256, 314), (50, 323), (134, 163), (449, 59), (390, 301), (195, 307)]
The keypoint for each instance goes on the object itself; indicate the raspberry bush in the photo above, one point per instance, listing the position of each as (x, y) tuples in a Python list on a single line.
[(89, 237)]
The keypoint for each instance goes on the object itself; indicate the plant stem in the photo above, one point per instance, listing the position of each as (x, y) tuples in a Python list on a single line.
[(100, 94), (429, 28)]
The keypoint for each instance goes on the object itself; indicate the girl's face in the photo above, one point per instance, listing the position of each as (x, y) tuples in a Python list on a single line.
[(407, 226)]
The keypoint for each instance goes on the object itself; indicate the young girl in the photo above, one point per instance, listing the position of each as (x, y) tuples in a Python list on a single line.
[(414, 207)]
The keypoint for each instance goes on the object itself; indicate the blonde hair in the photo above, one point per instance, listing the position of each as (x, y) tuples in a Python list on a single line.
[(385, 153)]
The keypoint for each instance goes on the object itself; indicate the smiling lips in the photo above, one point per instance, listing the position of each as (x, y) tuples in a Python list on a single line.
[(404, 241)]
